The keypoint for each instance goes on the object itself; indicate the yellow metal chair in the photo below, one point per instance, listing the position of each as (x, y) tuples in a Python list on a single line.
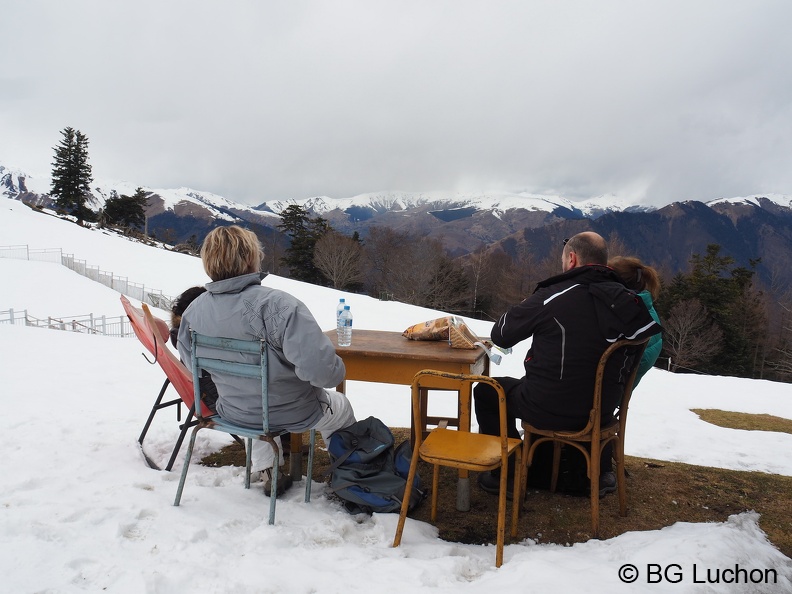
[(462, 450), (594, 436)]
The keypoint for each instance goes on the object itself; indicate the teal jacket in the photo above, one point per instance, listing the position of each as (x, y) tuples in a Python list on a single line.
[(655, 345)]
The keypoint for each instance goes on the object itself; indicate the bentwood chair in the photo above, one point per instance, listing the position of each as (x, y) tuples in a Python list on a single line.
[(592, 439), (222, 355), (462, 450)]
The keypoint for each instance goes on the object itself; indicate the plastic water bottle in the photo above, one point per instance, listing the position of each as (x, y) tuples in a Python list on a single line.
[(345, 327), (340, 308)]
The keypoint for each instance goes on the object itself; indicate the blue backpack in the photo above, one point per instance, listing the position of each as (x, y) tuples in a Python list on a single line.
[(367, 473)]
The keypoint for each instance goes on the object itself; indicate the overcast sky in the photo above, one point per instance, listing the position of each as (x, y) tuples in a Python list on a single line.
[(257, 100)]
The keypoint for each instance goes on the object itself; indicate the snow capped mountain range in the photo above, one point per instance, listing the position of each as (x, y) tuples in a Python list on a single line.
[(15, 181), (462, 221), (495, 202)]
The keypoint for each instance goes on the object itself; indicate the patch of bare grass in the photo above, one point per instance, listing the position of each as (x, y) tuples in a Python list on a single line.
[(747, 421), (659, 494)]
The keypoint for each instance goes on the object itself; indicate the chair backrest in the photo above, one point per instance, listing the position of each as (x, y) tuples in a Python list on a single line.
[(138, 322), (432, 379), (179, 376), (221, 355), (631, 349)]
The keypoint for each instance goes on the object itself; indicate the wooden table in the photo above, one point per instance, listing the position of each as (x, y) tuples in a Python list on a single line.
[(390, 358)]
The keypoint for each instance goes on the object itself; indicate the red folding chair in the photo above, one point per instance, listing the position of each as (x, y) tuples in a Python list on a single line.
[(154, 334)]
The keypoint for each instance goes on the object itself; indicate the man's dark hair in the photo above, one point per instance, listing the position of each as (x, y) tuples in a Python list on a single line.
[(590, 248)]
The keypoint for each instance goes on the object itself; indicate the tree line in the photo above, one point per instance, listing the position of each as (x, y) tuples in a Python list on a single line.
[(716, 319)]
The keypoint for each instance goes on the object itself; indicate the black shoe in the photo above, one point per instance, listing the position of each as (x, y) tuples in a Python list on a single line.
[(284, 483), (607, 483), (490, 482)]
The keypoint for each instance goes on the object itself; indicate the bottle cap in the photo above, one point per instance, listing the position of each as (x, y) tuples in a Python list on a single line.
[(346, 307)]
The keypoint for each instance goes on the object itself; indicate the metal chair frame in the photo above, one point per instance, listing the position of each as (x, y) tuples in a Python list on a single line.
[(146, 327), (224, 358)]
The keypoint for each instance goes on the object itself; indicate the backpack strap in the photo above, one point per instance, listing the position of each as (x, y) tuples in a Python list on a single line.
[(341, 459)]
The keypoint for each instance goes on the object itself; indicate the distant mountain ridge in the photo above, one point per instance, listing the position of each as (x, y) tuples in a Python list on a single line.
[(747, 227)]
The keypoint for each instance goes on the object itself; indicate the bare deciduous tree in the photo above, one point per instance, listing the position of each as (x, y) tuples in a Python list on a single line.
[(414, 270), (782, 362), (383, 258), (338, 258), (691, 337), (476, 268), (617, 246)]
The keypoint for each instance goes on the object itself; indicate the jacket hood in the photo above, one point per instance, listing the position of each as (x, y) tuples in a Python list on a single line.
[(234, 284), (621, 313)]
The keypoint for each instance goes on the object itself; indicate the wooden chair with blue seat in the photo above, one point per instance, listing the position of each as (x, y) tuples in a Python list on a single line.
[(626, 354), (462, 450), (222, 355)]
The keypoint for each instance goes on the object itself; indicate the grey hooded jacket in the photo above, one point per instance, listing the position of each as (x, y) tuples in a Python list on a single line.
[(301, 359)]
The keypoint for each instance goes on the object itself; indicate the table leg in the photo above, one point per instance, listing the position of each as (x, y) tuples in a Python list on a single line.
[(424, 412), (295, 458), (463, 424)]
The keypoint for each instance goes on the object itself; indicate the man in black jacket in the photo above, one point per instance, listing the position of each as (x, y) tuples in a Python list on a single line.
[(572, 318)]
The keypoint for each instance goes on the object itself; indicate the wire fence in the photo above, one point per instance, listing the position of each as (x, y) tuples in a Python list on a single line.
[(118, 326), (83, 323)]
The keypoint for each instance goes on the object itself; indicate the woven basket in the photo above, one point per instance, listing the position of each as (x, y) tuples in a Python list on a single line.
[(461, 337)]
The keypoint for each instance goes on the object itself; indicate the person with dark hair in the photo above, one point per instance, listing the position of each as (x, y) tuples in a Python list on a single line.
[(645, 281), (208, 388), (572, 318), (177, 309)]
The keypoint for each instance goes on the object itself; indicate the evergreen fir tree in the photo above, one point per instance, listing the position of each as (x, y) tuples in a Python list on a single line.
[(727, 294), (127, 211), (304, 232), (71, 174)]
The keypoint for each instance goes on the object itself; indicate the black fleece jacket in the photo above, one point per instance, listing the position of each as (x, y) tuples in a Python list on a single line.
[(573, 318)]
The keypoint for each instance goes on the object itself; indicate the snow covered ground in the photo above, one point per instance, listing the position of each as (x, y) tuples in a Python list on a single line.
[(80, 510)]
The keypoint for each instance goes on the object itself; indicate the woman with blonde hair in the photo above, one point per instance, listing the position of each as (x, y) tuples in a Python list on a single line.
[(302, 361), (645, 281)]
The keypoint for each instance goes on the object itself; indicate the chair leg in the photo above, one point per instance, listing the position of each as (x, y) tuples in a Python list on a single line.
[(501, 534), (249, 461), (154, 410), (188, 422), (517, 495), (309, 472), (594, 473), (186, 465), (621, 477), (525, 463), (406, 501), (273, 490), (556, 466), (435, 489)]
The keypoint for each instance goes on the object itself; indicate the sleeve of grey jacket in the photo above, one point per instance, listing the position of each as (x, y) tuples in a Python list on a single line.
[(307, 348)]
